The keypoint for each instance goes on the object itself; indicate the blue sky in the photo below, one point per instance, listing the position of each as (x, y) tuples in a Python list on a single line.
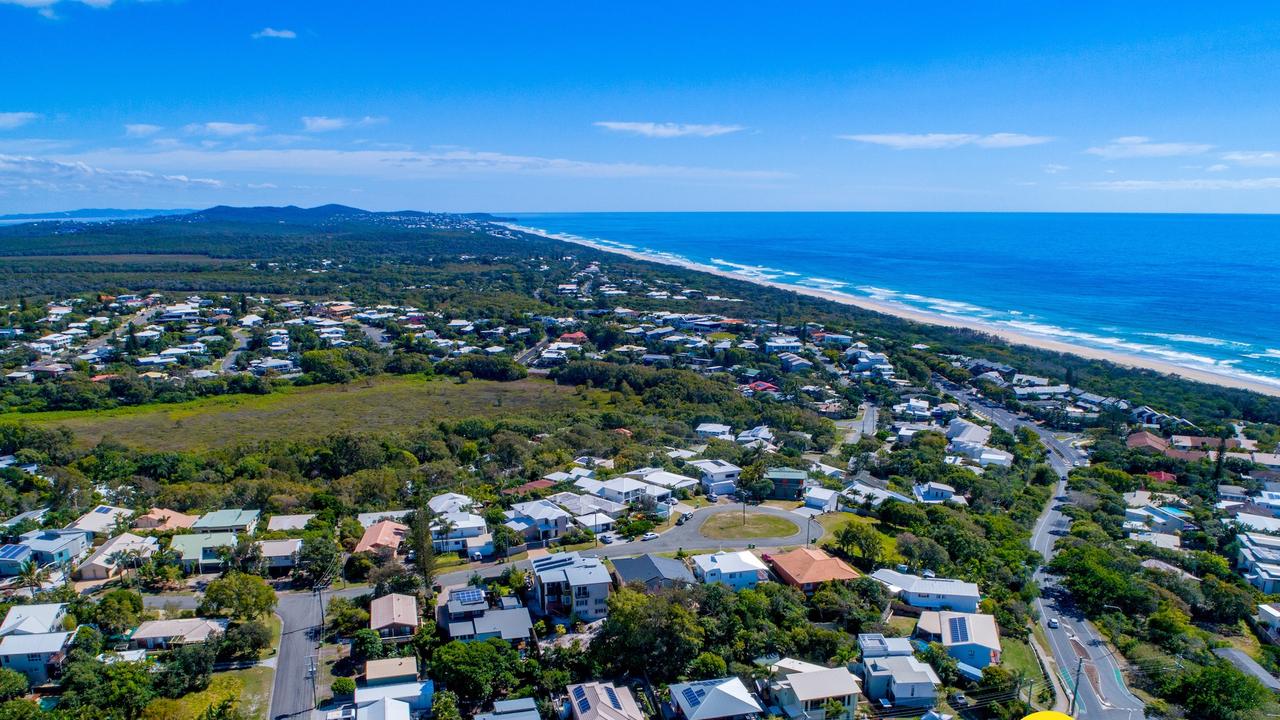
[(1135, 106)]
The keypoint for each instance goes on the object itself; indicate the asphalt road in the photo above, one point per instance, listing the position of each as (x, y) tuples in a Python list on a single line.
[(1103, 694), (295, 691)]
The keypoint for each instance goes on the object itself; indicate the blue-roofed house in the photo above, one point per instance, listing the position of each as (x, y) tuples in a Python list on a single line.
[(57, 547), (518, 709), (11, 559)]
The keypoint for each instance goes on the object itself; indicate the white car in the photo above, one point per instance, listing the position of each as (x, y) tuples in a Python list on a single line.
[(1053, 623), (649, 536)]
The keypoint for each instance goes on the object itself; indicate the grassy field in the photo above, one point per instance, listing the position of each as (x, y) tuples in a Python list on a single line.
[(252, 686), (1017, 655), (832, 521), (380, 403), (730, 526)]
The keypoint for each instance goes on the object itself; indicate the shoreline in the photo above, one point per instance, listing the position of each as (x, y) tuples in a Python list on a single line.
[(1012, 337)]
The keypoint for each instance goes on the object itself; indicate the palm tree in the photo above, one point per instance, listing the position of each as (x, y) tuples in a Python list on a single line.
[(32, 575)]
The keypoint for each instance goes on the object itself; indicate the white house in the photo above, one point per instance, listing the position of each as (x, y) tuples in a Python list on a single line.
[(718, 477), (892, 675), (822, 499), (971, 638), (116, 555), (930, 593), (936, 493), (101, 520), (738, 570), (723, 698), (461, 531), (450, 502), (663, 478), (34, 655), (708, 431)]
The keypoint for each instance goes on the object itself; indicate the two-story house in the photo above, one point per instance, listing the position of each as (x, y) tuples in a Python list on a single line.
[(538, 520), (718, 476), (930, 593), (568, 584), (463, 532), (803, 690), (973, 639)]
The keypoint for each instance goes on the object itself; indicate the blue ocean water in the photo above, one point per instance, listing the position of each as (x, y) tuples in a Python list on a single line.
[(1198, 291)]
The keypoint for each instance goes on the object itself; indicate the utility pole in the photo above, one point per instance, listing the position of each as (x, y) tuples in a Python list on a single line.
[(1075, 691)]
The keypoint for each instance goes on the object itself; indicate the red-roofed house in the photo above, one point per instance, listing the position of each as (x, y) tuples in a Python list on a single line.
[(1162, 476), (577, 338), (382, 537)]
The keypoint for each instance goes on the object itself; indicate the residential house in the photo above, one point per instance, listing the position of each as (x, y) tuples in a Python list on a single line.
[(117, 554), (165, 634), (630, 490), (394, 616), (788, 483), (289, 522), (12, 558), (662, 478), (860, 492), (369, 519), (518, 709), (932, 593), (280, 555), (971, 638), (1259, 559), (1268, 619), (807, 568), (538, 520), (164, 519), (57, 547), (716, 431), (821, 499), (568, 584), (602, 701), (468, 615), (399, 701), (738, 570), (579, 505), (38, 656), (34, 619), (802, 690), (892, 676), (718, 477), (936, 493), (724, 698), (757, 434), (228, 520), (202, 553), (450, 502), (391, 671), (101, 520), (654, 572), (461, 532), (382, 538)]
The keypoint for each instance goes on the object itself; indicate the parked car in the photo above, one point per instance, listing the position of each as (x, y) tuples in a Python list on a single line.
[(649, 536), (606, 539), (713, 498)]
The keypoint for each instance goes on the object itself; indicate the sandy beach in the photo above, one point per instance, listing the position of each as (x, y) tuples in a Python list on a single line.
[(907, 313)]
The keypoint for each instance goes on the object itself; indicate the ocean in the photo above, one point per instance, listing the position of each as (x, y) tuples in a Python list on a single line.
[(1198, 291)]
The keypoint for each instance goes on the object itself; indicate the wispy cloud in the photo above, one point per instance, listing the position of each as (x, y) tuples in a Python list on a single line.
[(273, 33), (1253, 158), (21, 173), (1138, 146), (668, 130), (1266, 183), (223, 129), (946, 141), (321, 123), (395, 164), (11, 120), (1054, 168), (46, 7), (141, 130)]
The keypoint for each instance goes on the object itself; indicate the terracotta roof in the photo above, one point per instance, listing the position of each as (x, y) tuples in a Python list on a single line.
[(162, 519), (393, 609), (387, 534), (1146, 441), (805, 566), (529, 487)]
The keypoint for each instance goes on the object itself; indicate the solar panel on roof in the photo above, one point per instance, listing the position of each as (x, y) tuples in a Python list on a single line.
[(959, 629), (468, 595), (584, 706), (8, 552), (691, 697), (102, 510), (579, 693), (613, 697)]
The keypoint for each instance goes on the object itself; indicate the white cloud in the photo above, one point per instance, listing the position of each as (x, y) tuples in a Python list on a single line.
[(1253, 158), (1138, 146), (668, 130), (274, 33), (1054, 168), (223, 129), (321, 123), (395, 164), (1218, 167), (22, 173), (1266, 183), (11, 120), (140, 130), (945, 141)]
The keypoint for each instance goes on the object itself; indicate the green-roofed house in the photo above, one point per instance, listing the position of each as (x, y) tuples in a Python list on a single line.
[(788, 483), (227, 521), (199, 552)]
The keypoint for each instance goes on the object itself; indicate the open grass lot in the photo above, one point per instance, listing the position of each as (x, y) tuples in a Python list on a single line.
[(832, 521), (377, 404), (1016, 655), (252, 686), (730, 526)]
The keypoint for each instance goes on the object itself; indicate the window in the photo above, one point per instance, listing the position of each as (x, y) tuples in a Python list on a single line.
[(581, 603), (34, 657), (582, 591)]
